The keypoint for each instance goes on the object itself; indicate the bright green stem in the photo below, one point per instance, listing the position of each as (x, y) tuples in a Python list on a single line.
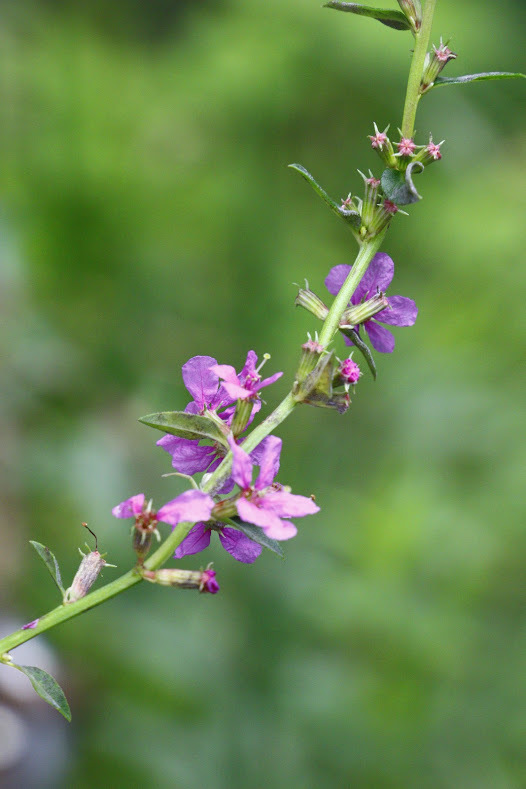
[(412, 96), (367, 251)]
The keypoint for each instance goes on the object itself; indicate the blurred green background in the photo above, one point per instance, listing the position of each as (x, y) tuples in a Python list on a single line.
[(146, 216)]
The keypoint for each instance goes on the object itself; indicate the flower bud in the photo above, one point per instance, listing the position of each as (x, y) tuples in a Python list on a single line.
[(382, 217), (370, 199), (316, 388), (431, 152), (242, 415), (348, 373), (413, 13), (359, 313), (203, 580), (88, 572), (433, 65), (311, 302), (383, 146), (311, 353)]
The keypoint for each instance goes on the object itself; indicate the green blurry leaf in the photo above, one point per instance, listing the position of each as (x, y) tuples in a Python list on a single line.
[(399, 187), (394, 19), (485, 75), (47, 688), (183, 425), (352, 217), (364, 349), (50, 561), (256, 534)]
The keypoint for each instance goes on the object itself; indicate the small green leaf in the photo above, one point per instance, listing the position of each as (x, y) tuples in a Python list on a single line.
[(485, 75), (50, 561), (47, 688), (256, 534), (398, 186), (183, 425), (353, 335), (352, 217), (394, 19)]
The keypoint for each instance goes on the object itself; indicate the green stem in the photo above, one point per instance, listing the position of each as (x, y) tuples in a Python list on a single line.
[(412, 96)]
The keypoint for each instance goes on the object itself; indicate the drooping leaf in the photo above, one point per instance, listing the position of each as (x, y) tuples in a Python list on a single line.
[(394, 19), (485, 75), (364, 349), (47, 688), (256, 534), (399, 187), (351, 217), (183, 425), (50, 561)]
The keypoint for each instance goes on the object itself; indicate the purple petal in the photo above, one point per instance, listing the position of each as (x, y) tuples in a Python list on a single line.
[(336, 277), (129, 508), (269, 463), (267, 381), (197, 539), (258, 515), (208, 581), (199, 379), (187, 456), (382, 340), (239, 545), (281, 530), (288, 505), (226, 372), (192, 505), (250, 365), (241, 466), (377, 277), (32, 625), (236, 391), (401, 312)]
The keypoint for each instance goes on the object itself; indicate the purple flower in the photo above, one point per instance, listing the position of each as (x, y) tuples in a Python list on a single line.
[(208, 581), (247, 384), (265, 503), (234, 541), (401, 311), (191, 506)]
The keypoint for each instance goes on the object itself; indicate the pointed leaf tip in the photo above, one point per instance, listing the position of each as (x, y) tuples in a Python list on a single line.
[(185, 425), (351, 217), (50, 561), (394, 19), (256, 534), (485, 75), (47, 688)]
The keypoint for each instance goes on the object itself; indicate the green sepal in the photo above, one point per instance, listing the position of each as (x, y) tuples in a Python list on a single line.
[(184, 425), (351, 217), (398, 186), (394, 19), (256, 534), (47, 688), (364, 349), (316, 387), (485, 75), (51, 563)]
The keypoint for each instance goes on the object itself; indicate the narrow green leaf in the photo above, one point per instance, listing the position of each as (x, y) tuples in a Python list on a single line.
[(256, 534), (352, 217), (50, 561), (364, 349), (399, 187), (183, 425), (485, 75), (394, 19), (47, 688)]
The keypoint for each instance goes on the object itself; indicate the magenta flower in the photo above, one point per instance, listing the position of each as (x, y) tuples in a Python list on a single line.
[(265, 503), (191, 506), (247, 384), (402, 311), (234, 541)]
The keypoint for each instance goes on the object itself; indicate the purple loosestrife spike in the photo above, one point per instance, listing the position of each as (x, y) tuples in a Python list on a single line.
[(401, 311), (265, 502)]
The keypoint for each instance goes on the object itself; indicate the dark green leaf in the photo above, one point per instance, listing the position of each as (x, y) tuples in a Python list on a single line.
[(399, 187), (192, 426), (394, 19), (47, 688), (49, 560), (256, 534), (353, 335), (478, 77), (352, 217)]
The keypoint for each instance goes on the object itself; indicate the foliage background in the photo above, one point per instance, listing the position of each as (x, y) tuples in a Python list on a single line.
[(147, 215)]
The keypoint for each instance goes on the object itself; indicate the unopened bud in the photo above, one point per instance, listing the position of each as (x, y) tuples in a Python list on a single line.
[(311, 302), (203, 580), (311, 353), (348, 373), (431, 153), (381, 218), (434, 63), (88, 572), (383, 146), (413, 13), (242, 415), (370, 199), (360, 313)]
